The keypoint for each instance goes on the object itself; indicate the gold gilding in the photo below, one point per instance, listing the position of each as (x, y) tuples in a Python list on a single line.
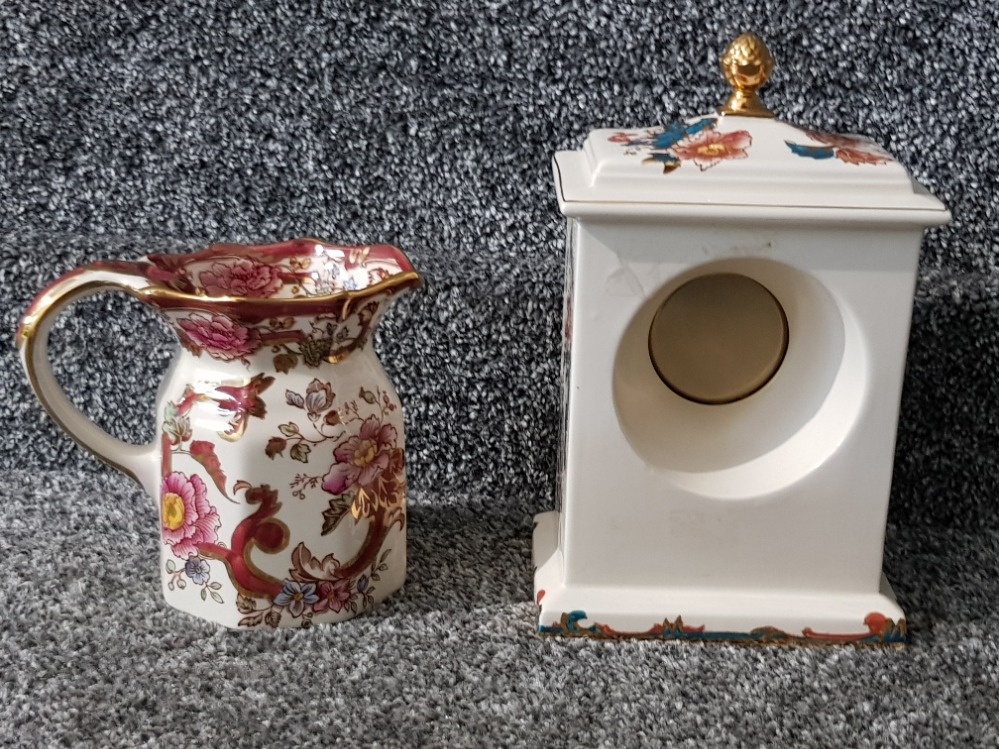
[(26, 340), (156, 293), (746, 65)]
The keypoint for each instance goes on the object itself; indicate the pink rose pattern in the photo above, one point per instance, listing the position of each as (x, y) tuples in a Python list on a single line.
[(333, 596), (362, 459), (365, 458), (299, 269), (317, 400), (708, 148), (221, 337), (187, 518), (190, 524), (241, 278), (231, 315)]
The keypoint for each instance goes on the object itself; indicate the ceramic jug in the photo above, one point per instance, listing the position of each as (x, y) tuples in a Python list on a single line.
[(277, 468)]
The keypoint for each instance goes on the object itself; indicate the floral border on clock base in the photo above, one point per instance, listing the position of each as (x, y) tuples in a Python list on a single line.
[(765, 617)]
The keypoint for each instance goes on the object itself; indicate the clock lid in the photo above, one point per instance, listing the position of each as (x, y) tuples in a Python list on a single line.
[(739, 156)]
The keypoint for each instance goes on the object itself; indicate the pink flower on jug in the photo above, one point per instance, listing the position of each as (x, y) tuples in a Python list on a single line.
[(318, 398), (333, 596), (221, 337), (187, 517), (362, 459), (242, 278), (709, 147)]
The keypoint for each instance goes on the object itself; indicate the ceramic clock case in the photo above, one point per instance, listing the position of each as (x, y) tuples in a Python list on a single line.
[(753, 506)]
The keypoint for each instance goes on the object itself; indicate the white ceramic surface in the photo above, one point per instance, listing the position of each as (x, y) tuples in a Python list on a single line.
[(762, 519)]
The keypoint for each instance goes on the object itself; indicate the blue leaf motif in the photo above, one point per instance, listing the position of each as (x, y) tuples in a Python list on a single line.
[(812, 152), (708, 123), (676, 132), (669, 137)]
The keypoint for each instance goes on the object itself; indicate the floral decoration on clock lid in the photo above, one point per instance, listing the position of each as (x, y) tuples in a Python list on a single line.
[(739, 155)]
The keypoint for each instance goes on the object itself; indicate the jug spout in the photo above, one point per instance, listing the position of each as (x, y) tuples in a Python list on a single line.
[(302, 276), (302, 300)]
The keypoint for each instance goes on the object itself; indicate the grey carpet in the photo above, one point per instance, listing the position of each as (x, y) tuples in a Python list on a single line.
[(130, 127)]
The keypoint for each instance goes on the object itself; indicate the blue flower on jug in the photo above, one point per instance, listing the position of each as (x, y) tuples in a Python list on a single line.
[(198, 570), (296, 596)]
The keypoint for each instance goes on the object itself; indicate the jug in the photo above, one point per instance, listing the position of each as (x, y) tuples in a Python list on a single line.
[(278, 464)]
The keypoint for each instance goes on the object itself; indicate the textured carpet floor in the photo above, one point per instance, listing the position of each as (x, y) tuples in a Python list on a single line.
[(128, 127)]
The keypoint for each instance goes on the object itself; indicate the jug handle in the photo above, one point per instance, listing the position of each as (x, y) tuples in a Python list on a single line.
[(139, 462)]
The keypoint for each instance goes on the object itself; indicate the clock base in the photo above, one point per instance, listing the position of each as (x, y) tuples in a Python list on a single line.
[(676, 613)]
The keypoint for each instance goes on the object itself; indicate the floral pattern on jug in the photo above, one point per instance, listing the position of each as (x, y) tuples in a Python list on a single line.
[(697, 142), (353, 446), (300, 269), (279, 469), (324, 338)]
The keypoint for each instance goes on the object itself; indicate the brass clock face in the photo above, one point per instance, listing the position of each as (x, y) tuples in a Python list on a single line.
[(718, 338)]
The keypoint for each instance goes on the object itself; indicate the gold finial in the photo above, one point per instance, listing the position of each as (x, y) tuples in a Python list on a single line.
[(746, 64)]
